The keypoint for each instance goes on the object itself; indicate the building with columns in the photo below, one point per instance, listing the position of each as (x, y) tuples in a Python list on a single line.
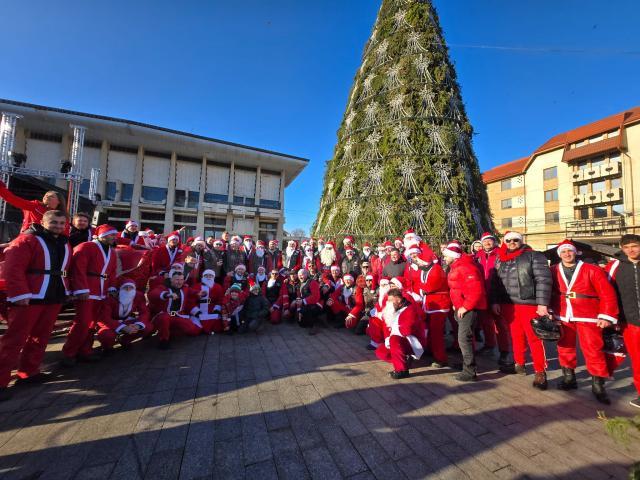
[(582, 184), (165, 179)]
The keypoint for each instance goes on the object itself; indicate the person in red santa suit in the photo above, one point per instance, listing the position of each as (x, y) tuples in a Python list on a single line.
[(125, 318), (275, 255), (36, 265), (375, 261), (232, 306), (175, 310), (466, 289), (292, 257), (375, 328), (399, 244), (258, 258), (342, 301), (366, 297), (130, 236), (247, 247), (404, 334), (328, 258), (163, 256), (288, 294), (210, 304), (428, 284), (349, 242), (309, 257), (586, 303), (93, 271), (493, 326)]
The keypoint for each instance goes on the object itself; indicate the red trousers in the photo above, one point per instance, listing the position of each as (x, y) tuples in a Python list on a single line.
[(631, 335), (397, 353), (435, 335), (375, 330), (25, 341), (168, 326), (80, 338), (276, 316), (518, 319), (495, 331), (108, 336), (212, 326), (591, 344)]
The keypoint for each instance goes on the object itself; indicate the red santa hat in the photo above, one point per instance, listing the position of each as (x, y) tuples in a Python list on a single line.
[(131, 223), (349, 249), (199, 240), (240, 266), (510, 235), (386, 280), (413, 248), (397, 239), (271, 242), (173, 236), (247, 237), (366, 244), (486, 236), (398, 282), (190, 240), (124, 281), (387, 244), (260, 243), (305, 242), (349, 238), (335, 267), (105, 230), (566, 245), (410, 233), (218, 242), (330, 243), (369, 277), (235, 239), (348, 276), (453, 250), (209, 272)]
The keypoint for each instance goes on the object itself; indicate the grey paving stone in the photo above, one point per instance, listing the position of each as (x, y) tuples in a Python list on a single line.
[(165, 465), (262, 471), (320, 464), (342, 450), (291, 465)]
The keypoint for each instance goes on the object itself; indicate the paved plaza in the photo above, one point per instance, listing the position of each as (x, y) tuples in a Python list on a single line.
[(282, 404)]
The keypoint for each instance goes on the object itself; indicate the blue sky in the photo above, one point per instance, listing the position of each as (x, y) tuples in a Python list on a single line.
[(276, 73)]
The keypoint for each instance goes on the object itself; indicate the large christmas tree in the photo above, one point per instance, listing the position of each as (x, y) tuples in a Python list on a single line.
[(404, 155)]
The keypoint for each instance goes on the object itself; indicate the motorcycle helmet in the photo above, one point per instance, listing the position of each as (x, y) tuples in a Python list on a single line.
[(547, 328), (613, 342)]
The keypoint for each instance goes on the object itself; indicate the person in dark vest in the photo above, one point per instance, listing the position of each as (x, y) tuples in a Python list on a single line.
[(81, 230), (36, 265), (307, 302)]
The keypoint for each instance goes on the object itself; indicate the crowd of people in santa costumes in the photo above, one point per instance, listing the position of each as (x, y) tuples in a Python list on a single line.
[(500, 301)]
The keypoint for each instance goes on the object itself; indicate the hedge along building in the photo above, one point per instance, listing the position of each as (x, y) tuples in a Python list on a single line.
[(404, 155), (165, 179)]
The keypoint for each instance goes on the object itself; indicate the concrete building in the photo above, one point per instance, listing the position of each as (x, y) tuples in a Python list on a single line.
[(583, 184), (164, 178)]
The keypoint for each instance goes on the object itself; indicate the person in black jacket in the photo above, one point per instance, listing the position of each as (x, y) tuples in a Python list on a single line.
[(521, 290), (396, 265), (255, 311), (624, 272), (81, 230)]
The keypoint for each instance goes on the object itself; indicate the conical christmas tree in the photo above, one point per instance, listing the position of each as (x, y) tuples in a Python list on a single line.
[(404, 155)]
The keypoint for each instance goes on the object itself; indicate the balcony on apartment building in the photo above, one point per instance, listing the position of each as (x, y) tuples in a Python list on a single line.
[(596, 227), (607, 169), (594, 198)]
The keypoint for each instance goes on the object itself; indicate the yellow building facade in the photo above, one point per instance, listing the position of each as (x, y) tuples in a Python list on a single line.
[(582, 184)]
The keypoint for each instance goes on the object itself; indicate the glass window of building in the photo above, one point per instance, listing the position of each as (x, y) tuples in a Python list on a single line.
[(582, 213), (506, 203), (614, 157), (596, 162), (550, 173), (552, 217), (600, 212), (599, 186), (154, 194), (551, 195), (126, 192), (583, 165), (507, 222), (505, 184), (110, 191), (617, 209), (584, 188), (616, 182)]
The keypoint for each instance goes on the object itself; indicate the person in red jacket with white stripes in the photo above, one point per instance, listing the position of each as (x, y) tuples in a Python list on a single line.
[(130, 236), (93, 271), (36, 265), (126, 318), (584, 300), (466, 287), (211, 298), (163, 256)]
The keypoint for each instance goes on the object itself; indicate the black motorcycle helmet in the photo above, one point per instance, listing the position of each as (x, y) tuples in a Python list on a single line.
[(613, 342), (546, 328)]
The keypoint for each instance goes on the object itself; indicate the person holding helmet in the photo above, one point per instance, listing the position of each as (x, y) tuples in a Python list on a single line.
[(584, 300)]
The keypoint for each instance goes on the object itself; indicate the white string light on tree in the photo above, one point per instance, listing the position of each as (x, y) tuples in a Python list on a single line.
[(374, 184), (371, 114), (442, 181), (402, 134), (352, 226), (330, 218), (393, 77), (400, 20), (383, 219), (396, 107), (413, 43), (348, 121), (453, 217), (348, 185), (408, 181), (348, 152), (477, 218), (448, 79), (367, 85), (422, 65), (462, 143), (428, 102), (381, 52), (330, 192), (373, 153), (454, 107), (437, 143), (419, 224)]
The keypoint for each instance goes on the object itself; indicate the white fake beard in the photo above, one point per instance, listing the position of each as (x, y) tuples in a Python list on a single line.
[(309, 255), (290, 251), (382, 293), (320, 247), (248, 245), (208, 282), (238, 277), (382, 254), (414, 266), (388, 314), (271, 283), (327, 256), (126, 299), (259, 252), (410, 240), (261, 277), (366, 252)]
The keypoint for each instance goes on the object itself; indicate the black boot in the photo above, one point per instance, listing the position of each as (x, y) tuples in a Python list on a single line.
[(399, 375), (597, 387), (540, 381), (568, 381)]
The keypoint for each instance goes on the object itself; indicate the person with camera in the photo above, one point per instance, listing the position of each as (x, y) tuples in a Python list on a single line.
[(584, 300), (520, 291)]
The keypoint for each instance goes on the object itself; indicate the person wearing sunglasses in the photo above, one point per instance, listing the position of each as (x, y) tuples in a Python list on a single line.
[(520, 291)]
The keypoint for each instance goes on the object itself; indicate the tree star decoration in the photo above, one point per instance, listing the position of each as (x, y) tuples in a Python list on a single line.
[(348, 121), (367, 86), (442, 181), (352, 225), (454, 107), (374, 184), (417, 217), (462, 143), (402, 134), (396, 107), (413, 43), (393, 77), (381, 52), (370, 114), (348, 186), (373, 153), (452, 215), (437, 144), (428, 104), (400, 20), (348, 151), (383, 219), (422, 65), (408, 181)]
